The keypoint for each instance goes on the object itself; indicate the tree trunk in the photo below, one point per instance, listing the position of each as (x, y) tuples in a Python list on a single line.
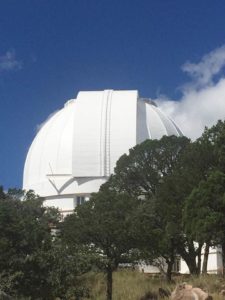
[(223, 257), (109, 282), (190, 260), (193, 268), (191, 263), (189, 254), (199, 251), (205, 261), (169, 270)]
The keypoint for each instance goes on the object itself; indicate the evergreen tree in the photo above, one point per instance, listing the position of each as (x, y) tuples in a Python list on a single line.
[(104, 225), (33, 263)]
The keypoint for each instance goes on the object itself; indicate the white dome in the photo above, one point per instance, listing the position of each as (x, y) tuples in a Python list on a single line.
[(77, 148)]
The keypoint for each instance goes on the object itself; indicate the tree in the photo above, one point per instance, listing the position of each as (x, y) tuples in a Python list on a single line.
[(214, 138), (171, 199), (165, 172), (143, 173), (103, 224), (34, 263), (54, 272), (168, 212), (204, 213), (155, 235), (194, 165), (24, 229)]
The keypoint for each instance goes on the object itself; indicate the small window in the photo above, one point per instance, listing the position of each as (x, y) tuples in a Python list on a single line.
[(80, 200)]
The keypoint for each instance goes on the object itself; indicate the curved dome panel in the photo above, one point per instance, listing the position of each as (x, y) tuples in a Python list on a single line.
[(77, 148), (51, 150), (156, 123)]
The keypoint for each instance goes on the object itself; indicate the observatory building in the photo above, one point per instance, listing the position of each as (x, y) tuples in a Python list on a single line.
[(76, 149)]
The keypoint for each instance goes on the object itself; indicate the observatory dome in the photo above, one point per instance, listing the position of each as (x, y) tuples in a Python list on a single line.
[(76, 149)]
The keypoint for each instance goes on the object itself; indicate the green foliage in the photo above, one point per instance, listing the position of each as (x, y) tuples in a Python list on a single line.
[(163, 173), (33, 263), (205, 210), (141, 172), (103, 224), (194, 165), (214, 137)]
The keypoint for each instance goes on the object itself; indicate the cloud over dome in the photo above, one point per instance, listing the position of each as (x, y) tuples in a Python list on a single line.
[(203, 98)]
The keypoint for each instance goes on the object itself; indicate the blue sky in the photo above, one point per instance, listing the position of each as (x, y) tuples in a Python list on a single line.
[(51, 49)]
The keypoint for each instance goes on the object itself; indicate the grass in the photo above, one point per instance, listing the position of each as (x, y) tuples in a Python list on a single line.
[(132, 285)]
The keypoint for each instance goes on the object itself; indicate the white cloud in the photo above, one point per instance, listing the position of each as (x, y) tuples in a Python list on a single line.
[(210, 65), (203, 98), (8, 61)]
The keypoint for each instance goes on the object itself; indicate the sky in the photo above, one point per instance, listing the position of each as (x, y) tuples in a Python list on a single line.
[(170, 51)]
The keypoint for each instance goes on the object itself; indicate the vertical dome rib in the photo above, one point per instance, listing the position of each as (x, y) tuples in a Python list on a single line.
[(108, 100)]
